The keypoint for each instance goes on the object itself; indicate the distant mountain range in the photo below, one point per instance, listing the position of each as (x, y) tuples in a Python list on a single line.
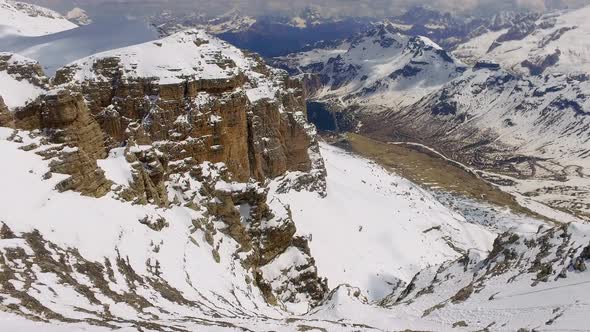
[(511, 101), (155, 177)]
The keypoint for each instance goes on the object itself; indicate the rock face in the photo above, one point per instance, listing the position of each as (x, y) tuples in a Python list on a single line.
[(21, 80), (65, 118), (232, 109), (25, 69), (189, 124), (6, 119)]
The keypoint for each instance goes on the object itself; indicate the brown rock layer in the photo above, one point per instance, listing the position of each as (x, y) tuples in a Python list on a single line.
[(27, 70), (207, 119), (6, 119), (64, 117)]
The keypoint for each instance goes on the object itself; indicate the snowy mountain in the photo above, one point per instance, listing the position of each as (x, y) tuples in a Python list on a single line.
[(450, 29), (24, 19), (533, 281), (552, 43), (446, 29), (171, 147), (380, 66), (176, 185), (533, 129), (170, 22), (132, 280), (57, 49), (268, 35), (530, 126)]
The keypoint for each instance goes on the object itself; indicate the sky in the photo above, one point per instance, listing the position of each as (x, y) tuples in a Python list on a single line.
[(375, 8)]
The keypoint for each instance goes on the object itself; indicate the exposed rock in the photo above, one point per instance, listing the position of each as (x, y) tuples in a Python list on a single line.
[(150, 171), (539, 65), (6, 118), (207, 119), (579, 263), (23, 68), (267, 234), (65, 119), (191, 141)]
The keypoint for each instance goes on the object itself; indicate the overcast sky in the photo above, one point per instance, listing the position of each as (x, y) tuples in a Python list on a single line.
[(329, 7)]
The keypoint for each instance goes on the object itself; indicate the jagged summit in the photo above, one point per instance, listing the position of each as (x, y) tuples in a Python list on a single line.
[(379, 66)]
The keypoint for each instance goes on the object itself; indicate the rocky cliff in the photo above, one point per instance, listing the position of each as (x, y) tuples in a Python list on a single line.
[(189, 123), (231, 109)]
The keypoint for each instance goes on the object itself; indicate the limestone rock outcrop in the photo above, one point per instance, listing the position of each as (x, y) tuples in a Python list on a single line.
[(23, 68), (226, 106), (6, 119), (65, 119), (202, 132)]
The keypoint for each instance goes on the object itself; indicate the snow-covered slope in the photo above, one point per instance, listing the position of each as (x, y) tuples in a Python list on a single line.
[(380, 66), (176, 235), (101, 263), (382, 220), (23, 19), (537, 116), (555, 43), (60, 48), (537, 281)]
